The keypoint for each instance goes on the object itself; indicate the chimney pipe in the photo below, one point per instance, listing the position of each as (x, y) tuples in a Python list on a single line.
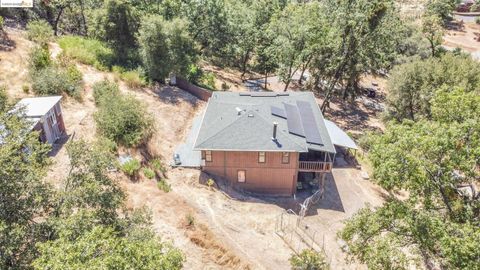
[(275, 125)]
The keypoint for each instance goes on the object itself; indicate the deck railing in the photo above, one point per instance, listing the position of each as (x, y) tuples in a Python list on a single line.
[(314, 166)]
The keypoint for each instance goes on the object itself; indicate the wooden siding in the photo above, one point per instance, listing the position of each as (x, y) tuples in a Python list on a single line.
[(271, 177)]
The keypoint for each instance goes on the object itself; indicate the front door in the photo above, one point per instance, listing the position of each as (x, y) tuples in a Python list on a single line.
[(53, 124)]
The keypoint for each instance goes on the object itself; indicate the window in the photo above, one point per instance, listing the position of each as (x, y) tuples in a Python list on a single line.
[(208, 156), (285, 157), (241, 176), (261, 157)]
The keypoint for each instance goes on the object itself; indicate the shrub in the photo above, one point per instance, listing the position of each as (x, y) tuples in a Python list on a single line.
[(208, 81), (309, 259), (133, 78), (131, 167), (39, 58), (157, 164), (3, 98), (163, 185), (104, 89), (190, 220), (1, 23), (225, 86), (87, 51), (26, 88), (123, 120), (39, 32), (150, 174), (477, 20), (54, 81), (210, 182), (194, 74)]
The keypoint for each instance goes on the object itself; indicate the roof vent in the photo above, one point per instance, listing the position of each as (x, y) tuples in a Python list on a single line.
[(239, 111), (250, 115), (275, 126)]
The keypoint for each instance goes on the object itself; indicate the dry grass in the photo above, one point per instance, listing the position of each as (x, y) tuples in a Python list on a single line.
[(201, 236)]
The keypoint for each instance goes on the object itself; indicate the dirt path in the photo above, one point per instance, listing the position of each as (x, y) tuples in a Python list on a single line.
[(229, 233)]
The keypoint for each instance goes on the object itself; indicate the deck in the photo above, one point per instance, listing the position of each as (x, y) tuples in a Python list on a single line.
[(314, 166)]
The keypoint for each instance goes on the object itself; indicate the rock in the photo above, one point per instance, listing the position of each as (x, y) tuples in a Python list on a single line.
[(364, 175)]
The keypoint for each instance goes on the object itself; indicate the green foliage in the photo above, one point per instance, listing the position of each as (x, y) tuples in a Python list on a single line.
[(3, 99), (194, 74), (432, 30), (104, 90), (39, 58), (120, 118), (39, 32), (104, 248), (157, 164), (118, 23), (149, 173), (431, 159), (131, 167), (441, 8), (2, 21), (210, 182), (163, 185), (309, 260), (132, 78), (411, 86), (207, 81), (87, 51), (26, 88), (165, 47), (190, 220), (25, 195), (55, 81)]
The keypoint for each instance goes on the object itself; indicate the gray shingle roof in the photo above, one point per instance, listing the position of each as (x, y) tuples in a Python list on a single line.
[(244, 122)]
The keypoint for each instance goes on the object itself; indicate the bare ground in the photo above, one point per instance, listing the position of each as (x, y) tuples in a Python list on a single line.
[(230, 232), (466, 38)]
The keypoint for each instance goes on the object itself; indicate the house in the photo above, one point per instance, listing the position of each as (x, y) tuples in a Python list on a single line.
[(267, 143), (45, 115)]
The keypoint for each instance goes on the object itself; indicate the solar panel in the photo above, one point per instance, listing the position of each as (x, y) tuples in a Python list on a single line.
[(308, 122), (278, 112), (294, 123)]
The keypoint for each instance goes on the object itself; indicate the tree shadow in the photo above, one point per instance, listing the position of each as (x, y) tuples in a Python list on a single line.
[(174, 95), (6, 44), (57, 146)]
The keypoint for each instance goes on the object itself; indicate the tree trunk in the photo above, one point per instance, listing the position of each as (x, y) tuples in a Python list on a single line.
[(244, 63), (303, 70), (55, 24)]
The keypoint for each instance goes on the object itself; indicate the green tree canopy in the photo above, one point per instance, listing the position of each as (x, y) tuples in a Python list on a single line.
[(411, 86), (165, 47)]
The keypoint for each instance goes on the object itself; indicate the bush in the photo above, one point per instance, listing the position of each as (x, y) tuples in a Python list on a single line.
[(1, 23), (308, 260), (194, 74), (133, 78), (39, 32), (87, 51), (190, 220), (26, 88), (39, 58), (477, 20), (131, 167), (122, 119), (208, 81), (104, 89), (157, 164), (148, 173), (163, 185), (3, 98), (54, 81)]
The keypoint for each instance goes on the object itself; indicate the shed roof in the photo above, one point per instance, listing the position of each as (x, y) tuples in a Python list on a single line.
[(244, 122), (338, 136), (38, 106)]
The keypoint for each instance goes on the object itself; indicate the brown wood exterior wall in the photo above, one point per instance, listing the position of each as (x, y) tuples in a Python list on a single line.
[(272, 177)]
